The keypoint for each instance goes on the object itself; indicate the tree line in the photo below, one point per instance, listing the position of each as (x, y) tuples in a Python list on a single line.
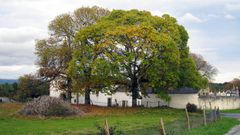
[(27, 88), (220, 87), (97, 50)]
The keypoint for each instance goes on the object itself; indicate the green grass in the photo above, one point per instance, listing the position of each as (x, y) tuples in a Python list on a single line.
[(218, 128), (231, 111), (134, 120)]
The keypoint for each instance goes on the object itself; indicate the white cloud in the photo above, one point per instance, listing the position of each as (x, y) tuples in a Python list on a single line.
[(20, 34), (213, 50), (159, 13), (233, 7), (17, 45), (229, 17), (227, 72), (14, 71), (189, 18), (212, 16), (22, 21)]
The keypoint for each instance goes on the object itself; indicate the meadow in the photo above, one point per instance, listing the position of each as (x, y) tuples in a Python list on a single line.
[(131, 121)]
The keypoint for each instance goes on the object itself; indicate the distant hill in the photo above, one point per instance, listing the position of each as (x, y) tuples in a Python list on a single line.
[(10, 81)]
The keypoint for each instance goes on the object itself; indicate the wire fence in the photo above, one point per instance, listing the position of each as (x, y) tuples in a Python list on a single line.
[(180, 126)]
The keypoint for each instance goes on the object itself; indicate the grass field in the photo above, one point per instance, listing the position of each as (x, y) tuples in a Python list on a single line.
[(231, 111), (132, 121), (219, 128)]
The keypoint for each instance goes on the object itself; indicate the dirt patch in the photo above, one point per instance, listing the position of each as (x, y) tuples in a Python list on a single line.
[(101, 111)]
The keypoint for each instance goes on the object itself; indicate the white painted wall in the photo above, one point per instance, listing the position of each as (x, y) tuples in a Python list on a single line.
[(4, 99), (152, 100), (101, 99), (177, 100), (54, 92)]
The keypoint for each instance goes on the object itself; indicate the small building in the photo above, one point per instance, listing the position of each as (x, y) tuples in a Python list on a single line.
[(4, 100)]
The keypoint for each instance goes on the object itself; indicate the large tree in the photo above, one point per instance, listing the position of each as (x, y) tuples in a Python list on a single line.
[(205, 68), (133, 49), (55, 52)]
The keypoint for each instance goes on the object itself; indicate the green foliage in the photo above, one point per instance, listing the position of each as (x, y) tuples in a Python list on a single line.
[(112, 130), (162, 94), (55, 52), (8, 90), (218, 86), (189, 76), (136, 50), (27, 88), (30, 87), (97, 50)]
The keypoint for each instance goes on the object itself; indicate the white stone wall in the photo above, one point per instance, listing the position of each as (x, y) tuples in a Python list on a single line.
[(221, 102), (181, 100), (177, 100)]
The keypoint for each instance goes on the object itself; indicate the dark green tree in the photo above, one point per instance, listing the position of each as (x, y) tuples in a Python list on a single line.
[(29, 87), (189, 76)]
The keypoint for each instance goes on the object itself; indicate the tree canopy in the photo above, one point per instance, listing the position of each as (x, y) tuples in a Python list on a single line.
[(55, 52), (134, 50), (30, 87)]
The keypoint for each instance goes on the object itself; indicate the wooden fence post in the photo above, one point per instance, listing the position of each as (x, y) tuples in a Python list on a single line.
[(162, 128), (210, 106), (211, 113), (204, 117), (218, 113), (106, 127), (215, 113), (188, 120)]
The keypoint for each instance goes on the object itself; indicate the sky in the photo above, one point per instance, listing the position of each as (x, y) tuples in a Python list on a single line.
[(213, 27)]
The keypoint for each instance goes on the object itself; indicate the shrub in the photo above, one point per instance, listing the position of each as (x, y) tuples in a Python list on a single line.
[(191, 107), (112, 130), (49, 106)]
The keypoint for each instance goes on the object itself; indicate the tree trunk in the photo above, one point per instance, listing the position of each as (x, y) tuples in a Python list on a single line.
[(69, 96), (135, 92), (69, 90), (87, 96), (77, 99)]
